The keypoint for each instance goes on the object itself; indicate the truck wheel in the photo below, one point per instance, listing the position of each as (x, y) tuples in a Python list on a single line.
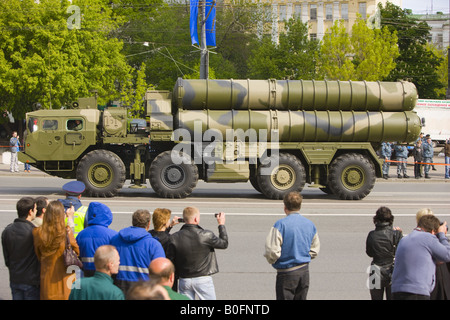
[(103, 173), (254, 182), (326, 189), (173, 179), (352, 176), (285, 175)]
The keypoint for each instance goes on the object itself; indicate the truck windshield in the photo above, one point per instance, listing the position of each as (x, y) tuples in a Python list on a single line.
[(50, 125), (32, 124)]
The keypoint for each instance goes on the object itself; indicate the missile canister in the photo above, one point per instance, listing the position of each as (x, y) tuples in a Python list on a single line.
[(308, 95), (306, 126)]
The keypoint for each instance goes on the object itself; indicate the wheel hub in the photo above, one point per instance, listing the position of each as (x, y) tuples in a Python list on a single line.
[(353, 178), (283, 177), (100, 175), (173, 176)]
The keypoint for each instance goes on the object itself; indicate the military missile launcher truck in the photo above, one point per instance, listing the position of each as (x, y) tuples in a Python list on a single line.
[(277, 134)]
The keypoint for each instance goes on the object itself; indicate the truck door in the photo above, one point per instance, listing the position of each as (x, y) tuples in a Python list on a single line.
[(74, 139), (49, 137)]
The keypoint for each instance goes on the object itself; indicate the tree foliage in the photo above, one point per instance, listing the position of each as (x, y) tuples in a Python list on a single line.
[(124, 47), (416, 62), (365, 54), (294, 57), (44, 61), (160, 38)]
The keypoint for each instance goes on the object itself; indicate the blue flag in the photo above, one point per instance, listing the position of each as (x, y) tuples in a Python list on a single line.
[(193, 21), (210, 23)]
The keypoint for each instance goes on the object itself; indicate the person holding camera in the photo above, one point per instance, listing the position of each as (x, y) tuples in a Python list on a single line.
[(162, 225), (195, 267), (414, 275), (14, 143), (381, 245), (74, 190)]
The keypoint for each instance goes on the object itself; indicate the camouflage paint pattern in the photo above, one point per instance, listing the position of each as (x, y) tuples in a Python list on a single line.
[(307, 126), (308, 95)]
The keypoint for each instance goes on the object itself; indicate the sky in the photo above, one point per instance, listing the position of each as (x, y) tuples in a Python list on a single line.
[(425, 6)]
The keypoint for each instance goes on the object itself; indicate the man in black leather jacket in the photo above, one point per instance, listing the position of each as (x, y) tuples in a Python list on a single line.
[(192, 252)]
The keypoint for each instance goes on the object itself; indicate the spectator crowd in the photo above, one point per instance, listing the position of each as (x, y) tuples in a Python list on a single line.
[(143, 263)]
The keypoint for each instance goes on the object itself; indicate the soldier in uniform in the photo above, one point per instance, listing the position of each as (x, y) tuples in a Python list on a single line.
[(401, 153), (386, 152), (73, 190)]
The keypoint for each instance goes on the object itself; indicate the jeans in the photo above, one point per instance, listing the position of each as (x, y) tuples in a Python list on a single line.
[(203, 287), (24, 291), (408, 296), (14, 165), (447, 167)]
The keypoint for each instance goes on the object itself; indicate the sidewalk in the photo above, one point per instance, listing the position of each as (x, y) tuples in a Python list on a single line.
[(436, 176), (4, 171)]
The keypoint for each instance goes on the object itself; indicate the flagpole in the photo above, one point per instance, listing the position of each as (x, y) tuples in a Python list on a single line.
[(204, 55)]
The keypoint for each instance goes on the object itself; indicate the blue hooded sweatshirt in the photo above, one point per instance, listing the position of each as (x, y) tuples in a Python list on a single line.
[(137, 248), (96, 234)]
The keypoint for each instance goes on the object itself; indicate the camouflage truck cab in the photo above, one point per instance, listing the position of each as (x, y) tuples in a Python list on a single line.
[(57, 138), (277, 134)]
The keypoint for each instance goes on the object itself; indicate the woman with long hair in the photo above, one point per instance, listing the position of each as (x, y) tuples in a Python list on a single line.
[(49, 244)]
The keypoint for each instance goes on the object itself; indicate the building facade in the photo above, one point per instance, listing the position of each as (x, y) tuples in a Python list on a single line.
[(320, 15), (440, 31)]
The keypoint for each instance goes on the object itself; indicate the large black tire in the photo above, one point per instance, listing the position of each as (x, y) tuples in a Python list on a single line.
[(286, 175), (254, 182), (327, 190), (103, 173), (171, 179), (352, 176)]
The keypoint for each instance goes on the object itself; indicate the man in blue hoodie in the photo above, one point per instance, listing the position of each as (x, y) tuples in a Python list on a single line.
[(96, 234), (137, 248)]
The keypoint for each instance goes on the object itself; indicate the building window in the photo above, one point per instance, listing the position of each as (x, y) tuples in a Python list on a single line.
[(282, 13), (297, 11), (362, 10), (313, 12), (329, 11), (344, 11), (267, 13), (440, 40), (313, 36)]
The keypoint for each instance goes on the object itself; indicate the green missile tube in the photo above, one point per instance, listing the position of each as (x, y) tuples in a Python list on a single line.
[(308, 95), (304, 126)]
